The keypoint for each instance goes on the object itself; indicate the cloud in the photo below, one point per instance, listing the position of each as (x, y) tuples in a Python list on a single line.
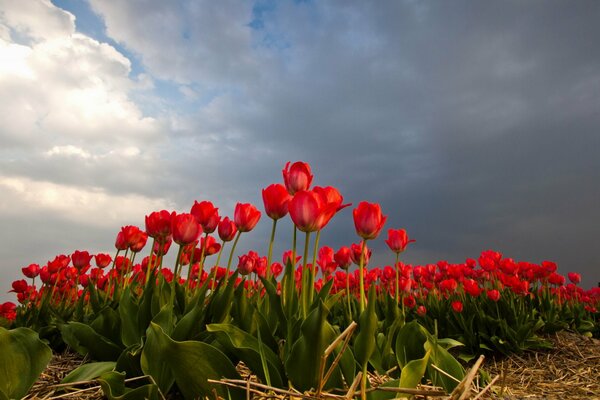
[(94, 205), (188, 41)]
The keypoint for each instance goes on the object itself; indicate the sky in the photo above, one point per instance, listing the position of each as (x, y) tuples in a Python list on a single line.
[(475, 125)]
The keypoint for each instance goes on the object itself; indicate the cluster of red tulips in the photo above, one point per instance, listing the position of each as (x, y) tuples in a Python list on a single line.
[(310, 209)]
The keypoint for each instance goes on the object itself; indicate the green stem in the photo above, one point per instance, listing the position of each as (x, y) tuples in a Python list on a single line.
[(270, 254), (127, 264), (109, 284), (294, 247), (149, 267), (237, 237), (397, 279), (313, 268), (361, 278), (305, 277), (348, 296), (174, 282), (220, 252)]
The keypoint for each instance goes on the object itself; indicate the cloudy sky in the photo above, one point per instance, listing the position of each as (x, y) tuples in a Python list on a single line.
[(475, 125)]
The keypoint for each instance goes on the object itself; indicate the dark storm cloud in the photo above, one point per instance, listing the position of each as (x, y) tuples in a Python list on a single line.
[(475, 125)]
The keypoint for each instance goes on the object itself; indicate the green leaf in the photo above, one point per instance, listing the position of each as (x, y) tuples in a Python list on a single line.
[(128, 311), (22, 359), (89, 371), (303, 361), (129, 360), (113, 386), (365, 343), (409, 343), (449, 343), (222, 301), (248, 349), (85, 341), (189, 363), (108, 324), (275, 315), (447, 363), (413, 372)]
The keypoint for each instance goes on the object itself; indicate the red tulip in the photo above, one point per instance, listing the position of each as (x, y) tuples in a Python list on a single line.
[(471, 287), (325, 261), (185, 229), (368, 220), (287, 255), (19, 286), (297, 177), (398, 240), (137, 241), (227, 229), (343, 257), (309, 211), (409, 301), (448, 285), (248, 263), (163, 246), (556, 279), (8, 311), (276, 199), (121, 242), (207, 215), (457, 306), (421, 311), (102, 260), (245, 216), (333, 199), (276, 268), (355, 249), (158, 224), (574, 277), (31, 271), (210, 246), (81, 259), (493, 295)]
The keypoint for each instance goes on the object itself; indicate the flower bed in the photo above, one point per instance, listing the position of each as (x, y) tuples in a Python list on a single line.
[(307, 323)]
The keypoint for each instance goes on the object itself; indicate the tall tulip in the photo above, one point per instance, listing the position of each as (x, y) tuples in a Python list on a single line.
[(276, 199), (297, 177), (185, 228), (158, 224), (245, 216), (206, 214), (368, 221), (397, 241)]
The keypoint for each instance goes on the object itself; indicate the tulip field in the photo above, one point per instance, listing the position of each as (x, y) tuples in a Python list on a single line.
[(315, 320)]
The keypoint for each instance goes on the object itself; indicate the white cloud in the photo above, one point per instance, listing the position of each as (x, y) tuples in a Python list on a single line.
[(59, 87), (37, 20), (188, 40), (94, 205)]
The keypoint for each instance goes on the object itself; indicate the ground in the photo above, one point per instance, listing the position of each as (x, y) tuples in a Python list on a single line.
[(569, 371)]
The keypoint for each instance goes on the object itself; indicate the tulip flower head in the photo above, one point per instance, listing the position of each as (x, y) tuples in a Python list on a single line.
[(343, 257), (368, 220), (207, 215), (297, 177), (227, 229), (245, 216), (185, 229), (276, 199), (398, 240), (158, 224)]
